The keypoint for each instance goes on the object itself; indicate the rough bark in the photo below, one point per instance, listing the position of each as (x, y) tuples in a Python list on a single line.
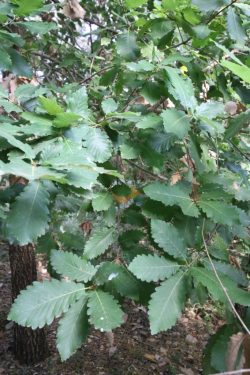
[(30, 346)]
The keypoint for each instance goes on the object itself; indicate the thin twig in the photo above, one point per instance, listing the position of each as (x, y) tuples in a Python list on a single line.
[(221, 284), (96, 73), (206, 23), (158, 177), (239, 150)]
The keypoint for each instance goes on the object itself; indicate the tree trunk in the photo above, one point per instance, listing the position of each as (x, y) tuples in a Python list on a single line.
[(30, 346)]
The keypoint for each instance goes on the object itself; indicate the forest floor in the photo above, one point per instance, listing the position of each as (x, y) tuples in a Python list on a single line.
[(133, 351)]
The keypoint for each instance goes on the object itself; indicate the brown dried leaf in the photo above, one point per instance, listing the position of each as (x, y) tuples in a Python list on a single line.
[(73, 9), (176, 177)]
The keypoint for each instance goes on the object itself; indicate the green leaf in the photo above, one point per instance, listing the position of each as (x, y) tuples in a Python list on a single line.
[(166, 303), (237, 123), (41, 303), (98, 144), (176, 122), (29, 214), (234, 26), (104, 311), (131, 4), (171, 4), (78, 102), (216, 352), (152, 267), (65, 119), (109, 106), (82, 177), (168, 238), (102, 201), (150, 121), (172, 195), (181, 88), (5, 60), (118, 279), (13, 38), (31, 172), (38, 27), (70, 265), (237, 275), (220, 212), (50, 106), (6, 131), (241, 71), (20, 66), (209, 6), (129, 151), (127, 47), (140, 66), (210, 281), (26, 7), (210, 109), (9, 107), (73, 329), (99, 242)]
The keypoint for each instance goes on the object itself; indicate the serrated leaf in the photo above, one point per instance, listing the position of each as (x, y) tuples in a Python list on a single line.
[(172, 195), (78, 102), (210, 109), (65, 119), (152, 267), (82, 177), (99, 242), (176, 122), (117, 278), (241, 71), (150, 121), (104, 311), (235, 27), (38, 27), (168, 238), (220, 212), (210, 281), (20, 66), (6, 133), (73, 329), (41, 303), (26, 7), (5, 60), (237, 275), (181, 88), (236, 123), (127, 47), (70, 265), (140, 66), (31, 172), (208, 6), (129, 151), (50, 106), (166, 303), (102, 201), (29, 214), (98, 144)]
